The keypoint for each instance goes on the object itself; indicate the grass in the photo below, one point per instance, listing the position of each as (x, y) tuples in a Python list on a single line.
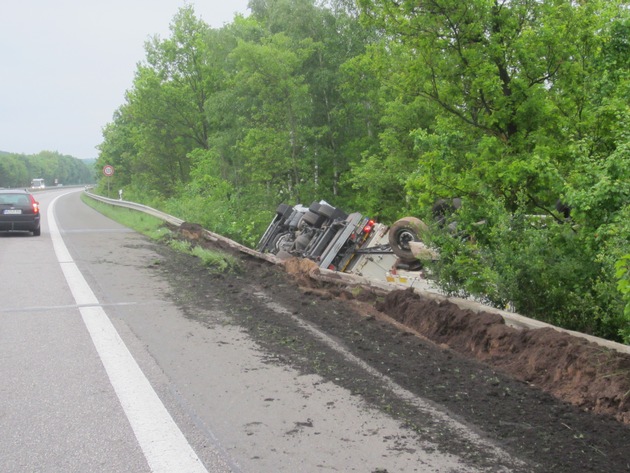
[(154, 228), (215, 261), (148, 225)]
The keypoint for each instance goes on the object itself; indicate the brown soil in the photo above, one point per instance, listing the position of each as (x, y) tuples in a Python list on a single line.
[(557, 401), (582, 373)]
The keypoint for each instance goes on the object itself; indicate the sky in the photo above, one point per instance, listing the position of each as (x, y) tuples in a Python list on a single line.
[(65, 65)]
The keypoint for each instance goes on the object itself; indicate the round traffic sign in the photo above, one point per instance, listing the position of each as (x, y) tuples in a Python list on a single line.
[(108, 170)]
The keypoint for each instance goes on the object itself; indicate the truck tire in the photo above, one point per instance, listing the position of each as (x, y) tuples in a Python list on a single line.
[(325, 210), (284, 210), (313, 219), (331, 213), (402, 232), (314, 207)]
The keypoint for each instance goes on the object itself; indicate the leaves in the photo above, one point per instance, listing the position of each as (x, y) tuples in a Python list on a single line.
[(387, 106), (17, 170)]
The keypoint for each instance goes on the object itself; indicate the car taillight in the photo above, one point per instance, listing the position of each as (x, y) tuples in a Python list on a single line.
[(368, 226), (35, 205)]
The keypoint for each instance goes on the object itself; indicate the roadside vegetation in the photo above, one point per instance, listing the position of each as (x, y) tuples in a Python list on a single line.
[(385, 107), (17, 170), (154, 228)]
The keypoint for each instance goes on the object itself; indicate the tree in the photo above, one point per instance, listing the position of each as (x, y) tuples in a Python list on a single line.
[(167, 102), (495, 70), (279, 108), (17, 170), (515, 90), (13, 171)]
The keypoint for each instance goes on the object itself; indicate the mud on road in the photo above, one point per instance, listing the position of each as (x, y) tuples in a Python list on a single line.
[(558, 403)]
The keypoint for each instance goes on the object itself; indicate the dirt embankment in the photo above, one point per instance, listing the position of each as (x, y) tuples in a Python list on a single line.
[(570, 368)]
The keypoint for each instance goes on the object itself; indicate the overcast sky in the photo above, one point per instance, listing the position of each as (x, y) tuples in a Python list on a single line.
[(65, 65)]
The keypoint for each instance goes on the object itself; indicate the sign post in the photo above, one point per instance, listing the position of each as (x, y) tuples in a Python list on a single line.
[(108, 171)]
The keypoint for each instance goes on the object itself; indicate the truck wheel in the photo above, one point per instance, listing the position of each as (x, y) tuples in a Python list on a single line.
[(331, 213), (314, 207), (402, 232), (284, 210), (325, 210), (313, 219)]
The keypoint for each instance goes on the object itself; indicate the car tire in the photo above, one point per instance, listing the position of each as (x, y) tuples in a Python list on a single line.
[(37, 231)]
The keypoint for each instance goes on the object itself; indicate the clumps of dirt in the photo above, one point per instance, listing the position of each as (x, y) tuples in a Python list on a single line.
[(300, 269), (570, 368), (306, 274), (191, 231)]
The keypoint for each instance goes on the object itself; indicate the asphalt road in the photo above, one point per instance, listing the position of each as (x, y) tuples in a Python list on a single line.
[(102, 372)]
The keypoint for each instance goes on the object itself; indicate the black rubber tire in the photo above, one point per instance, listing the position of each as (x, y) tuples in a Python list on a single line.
[(37, 231), (339, 215), (332, 213), (310, 217), (326, 210), (314, 207), (284, 210), (402, 232), (313, 219)]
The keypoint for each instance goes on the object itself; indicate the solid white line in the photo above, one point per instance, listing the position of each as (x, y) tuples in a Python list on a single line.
[(163, 444)]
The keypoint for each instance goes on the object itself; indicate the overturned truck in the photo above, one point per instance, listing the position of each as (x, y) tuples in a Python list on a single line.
[(344, 242)]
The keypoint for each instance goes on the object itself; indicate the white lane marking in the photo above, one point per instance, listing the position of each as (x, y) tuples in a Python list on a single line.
[(163, 444)]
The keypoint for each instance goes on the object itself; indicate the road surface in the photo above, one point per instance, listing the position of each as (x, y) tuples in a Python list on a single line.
[(103, 370)]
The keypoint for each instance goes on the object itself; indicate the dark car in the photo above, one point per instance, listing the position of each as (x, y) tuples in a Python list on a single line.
[(19, 211)]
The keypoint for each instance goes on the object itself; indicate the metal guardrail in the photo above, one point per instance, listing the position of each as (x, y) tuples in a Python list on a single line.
[(133, 205)]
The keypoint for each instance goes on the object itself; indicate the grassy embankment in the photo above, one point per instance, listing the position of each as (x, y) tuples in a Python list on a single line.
[(155, 229)]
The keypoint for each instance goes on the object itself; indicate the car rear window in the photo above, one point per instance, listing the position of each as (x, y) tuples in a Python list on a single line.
[(14, 199)]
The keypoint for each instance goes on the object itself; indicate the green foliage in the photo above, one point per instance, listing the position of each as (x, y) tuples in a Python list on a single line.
[(623, 275), (531, 105), (138, 221), (215, 261), (384, 107), (17, 170), (382, 112), (182, 246), (531, 264)]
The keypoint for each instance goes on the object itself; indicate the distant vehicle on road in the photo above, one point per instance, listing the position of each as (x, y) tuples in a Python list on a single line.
[(38, 184), (19, 211)]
